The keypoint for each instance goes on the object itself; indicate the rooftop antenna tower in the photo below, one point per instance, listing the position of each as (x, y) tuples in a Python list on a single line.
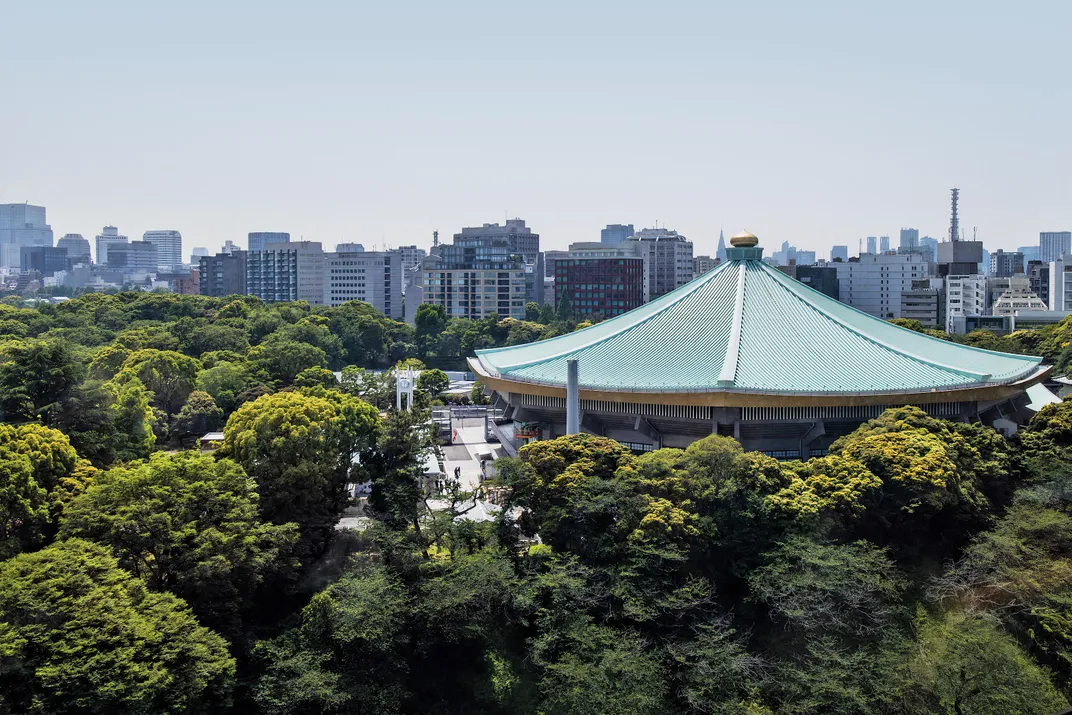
[(435, 238), (954, 224)]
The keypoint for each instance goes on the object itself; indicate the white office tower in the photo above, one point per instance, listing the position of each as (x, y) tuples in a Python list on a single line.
[(669, 259), (374, 277), (964, 296), (874, 283), (168, 247), (411, 257), (108, 235)]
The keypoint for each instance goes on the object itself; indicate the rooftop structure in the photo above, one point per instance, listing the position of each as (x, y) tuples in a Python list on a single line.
[(747, 351)]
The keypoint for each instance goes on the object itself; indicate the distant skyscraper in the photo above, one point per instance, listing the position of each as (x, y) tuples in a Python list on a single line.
[(669, 260), (929, 247), (168, 247), (108, 235), (721, 253), (703, 264), (223, 274), (616, 232), (805, 258), (411, 257), (349, 248), (132, 258), (1054, 244), (21, 225), (883, 243), (77, 248), (257, 240), (197, 254), (373, 277), (872, 244), (1003, 265), (909, 238), (287, 271), (839, 252), (1031, 253)]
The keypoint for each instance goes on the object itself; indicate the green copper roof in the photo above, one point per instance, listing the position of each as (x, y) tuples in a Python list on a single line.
[(748, 326)]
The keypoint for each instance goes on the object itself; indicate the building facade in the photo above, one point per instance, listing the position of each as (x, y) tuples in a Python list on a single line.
[(883, 244), (909, 238), (411, 257), (223, 274), (925, 302), (373, 277), (615, 233), (46, 260), (257, 240), (602, 279), (839, 253), (964, 295), (476, 293), (1004, 264), (515, 233), (1038, 276), (133, 258), (821, 278), (703, 264), (78, 250), (872, 244), (107, 236), (1061, 283), (21, 225), (168, 247), (669, 260), (1054, 244), (287, 271), (874, 283)]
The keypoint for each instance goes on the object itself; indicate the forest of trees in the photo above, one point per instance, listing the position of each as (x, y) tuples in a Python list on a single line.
[(922, 566)]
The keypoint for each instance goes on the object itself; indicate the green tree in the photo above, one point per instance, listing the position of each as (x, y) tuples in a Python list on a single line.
[(532, 312), (133, 437), (547, 314), (429, 322), (224, 381), (199, 415), (81, 635), (283, 360), (564, 310), (313, 376), (434, 382), (188, 524), (168, 375), (394, 464), (300, 449), (966, 664), (24, 508), (35, 376)]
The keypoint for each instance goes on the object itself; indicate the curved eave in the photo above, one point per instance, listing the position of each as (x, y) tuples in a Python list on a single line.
[(736, 397)]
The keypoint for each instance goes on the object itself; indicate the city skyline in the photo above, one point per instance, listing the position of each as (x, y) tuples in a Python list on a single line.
[(410, 130)]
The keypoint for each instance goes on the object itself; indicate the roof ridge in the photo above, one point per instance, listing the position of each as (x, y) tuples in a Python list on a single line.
[(692, 286), (787, 283), (728, 374)]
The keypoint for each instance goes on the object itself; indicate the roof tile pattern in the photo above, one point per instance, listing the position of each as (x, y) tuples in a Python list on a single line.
[(789, 339)]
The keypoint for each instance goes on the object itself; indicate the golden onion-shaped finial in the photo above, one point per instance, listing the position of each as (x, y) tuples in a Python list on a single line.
[(744, 240)]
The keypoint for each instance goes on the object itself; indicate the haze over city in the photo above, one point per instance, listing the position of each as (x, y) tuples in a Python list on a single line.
[(378, 124)]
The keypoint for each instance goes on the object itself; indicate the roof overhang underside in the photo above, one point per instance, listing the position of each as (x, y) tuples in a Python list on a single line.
[(752, 398)]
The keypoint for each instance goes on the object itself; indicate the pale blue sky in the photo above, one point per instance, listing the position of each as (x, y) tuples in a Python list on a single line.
[(817, 123)]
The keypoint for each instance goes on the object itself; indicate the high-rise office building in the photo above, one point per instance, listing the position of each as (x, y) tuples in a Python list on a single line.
[(1031, 253), (287, 271), (805, 258), (1054, 244), (46, 260), (964, 295), (839, 253), (520, 238), (168, 247), (21, 225), (78, 249), (883, 244), (257, 240), (107, 236), (1038, 277), (223, 274), (909, 238), (872, 244), (615, 233), (1003, 265), (669, 260), (875, 282), (135, 257), (603, 279), (197, 253), (373, 277)]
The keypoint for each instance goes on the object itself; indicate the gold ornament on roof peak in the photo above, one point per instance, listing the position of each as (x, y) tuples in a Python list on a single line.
[(744, 239)]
